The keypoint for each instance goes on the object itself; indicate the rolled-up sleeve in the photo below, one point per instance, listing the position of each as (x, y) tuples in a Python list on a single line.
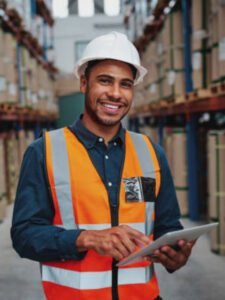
[(33, 234)]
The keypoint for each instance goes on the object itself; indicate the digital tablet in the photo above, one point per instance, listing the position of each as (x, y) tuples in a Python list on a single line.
[(170, 239)]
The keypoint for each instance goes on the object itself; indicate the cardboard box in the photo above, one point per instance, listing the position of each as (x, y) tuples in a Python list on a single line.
[(9, 47), (2, 70), (215, 63), (182, 197), (216, 188), (168, 146), (200, 15), (3, 87), (3, 191), (180, 168), (174, 83), (3, 209), (1, 43), (12, 165), (10, 72), (214, 25), (166, 34), (221, 22), (151, 132), (177, 25), (29, 137), (221, 57), (11, 94)]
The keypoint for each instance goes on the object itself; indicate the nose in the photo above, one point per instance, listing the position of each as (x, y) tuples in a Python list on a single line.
[(114, 91)]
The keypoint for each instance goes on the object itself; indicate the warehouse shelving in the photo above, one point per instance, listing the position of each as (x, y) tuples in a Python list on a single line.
[(23, 116), (11, 21), (191, 104), (213, 103)]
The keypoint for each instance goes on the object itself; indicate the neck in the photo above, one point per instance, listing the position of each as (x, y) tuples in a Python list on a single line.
[(106, 132)]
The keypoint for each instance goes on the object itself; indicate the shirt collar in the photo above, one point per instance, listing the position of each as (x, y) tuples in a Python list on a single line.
[(89, 139)]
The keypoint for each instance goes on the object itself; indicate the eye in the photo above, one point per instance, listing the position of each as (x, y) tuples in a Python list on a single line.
[(127, 84), (104, 80)]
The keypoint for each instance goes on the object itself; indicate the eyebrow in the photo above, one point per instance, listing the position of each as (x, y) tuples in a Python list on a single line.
[(111, 77)]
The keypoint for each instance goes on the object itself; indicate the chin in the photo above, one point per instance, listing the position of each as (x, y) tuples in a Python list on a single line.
[(109, 121)]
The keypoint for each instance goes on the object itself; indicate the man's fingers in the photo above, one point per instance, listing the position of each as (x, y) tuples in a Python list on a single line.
[(135, 234)]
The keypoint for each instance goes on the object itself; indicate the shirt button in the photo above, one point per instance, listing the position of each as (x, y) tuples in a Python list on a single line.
[(106, 157), (109, 183), (100, 140)]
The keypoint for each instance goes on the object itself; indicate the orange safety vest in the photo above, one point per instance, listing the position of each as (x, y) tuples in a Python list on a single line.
[(81, 202)]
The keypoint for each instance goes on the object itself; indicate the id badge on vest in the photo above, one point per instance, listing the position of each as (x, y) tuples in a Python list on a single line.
[(139, 189)]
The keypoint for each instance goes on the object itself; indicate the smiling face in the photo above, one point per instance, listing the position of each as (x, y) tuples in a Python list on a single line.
[(108, 93)]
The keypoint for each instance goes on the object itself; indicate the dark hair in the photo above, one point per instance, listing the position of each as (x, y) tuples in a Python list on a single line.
[(92, 63)]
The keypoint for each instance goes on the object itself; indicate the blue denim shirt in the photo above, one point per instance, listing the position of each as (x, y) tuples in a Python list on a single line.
[(32, 232)]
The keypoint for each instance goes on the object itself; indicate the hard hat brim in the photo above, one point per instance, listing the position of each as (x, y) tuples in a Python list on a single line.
[(82, 65)]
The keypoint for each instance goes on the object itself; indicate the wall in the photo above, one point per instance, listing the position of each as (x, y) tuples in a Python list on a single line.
[(71, 29)]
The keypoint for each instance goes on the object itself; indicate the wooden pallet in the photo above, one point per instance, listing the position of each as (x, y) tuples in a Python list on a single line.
[(179, 99), (218, 89), (199, 94), (7, 107)]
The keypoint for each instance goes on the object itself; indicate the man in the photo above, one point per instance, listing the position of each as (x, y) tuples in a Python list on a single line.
[(90, 194)]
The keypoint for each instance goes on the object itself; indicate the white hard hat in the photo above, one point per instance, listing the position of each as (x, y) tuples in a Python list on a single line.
[(114, 45)]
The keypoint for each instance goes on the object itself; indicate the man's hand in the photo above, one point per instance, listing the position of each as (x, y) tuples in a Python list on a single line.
[(171, 258), (119, 241)]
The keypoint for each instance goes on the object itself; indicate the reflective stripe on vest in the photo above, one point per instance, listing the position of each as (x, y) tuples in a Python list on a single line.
[(59, 166), (148, 170), (95, 280), (138, 226), (62, 177)]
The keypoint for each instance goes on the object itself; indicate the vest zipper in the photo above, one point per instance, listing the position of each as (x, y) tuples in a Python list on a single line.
[(115, 222)]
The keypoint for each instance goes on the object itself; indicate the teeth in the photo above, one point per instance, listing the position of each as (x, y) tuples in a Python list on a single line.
[(111, 106)]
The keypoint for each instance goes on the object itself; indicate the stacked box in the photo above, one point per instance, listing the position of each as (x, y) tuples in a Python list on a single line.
[(33, 83), (10, 71), (173, 53), (24, 71), (200, 44), (138, 98), (168, 146), (29, 137), (217, 40), (150, 84), (2, 70), (221, 35), (12, 165), (21, 144), (216, 188), (3, 200), (151, 132), (179, 150)]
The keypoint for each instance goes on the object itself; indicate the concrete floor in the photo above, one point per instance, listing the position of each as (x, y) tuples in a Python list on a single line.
[(203, 278)]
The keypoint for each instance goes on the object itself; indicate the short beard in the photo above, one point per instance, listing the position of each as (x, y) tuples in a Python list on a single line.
[(95, 117)]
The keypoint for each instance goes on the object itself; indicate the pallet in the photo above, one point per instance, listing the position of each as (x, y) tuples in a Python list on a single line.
[(199, 94), (218, 89), (179, 99), (7, 107)]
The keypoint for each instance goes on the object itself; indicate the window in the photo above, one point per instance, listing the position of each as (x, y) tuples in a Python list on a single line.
[(112, 8), (60, 8), (85, 8), (79, 48)]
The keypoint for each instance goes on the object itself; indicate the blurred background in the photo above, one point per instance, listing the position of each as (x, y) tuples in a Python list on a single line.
[(180, 105)]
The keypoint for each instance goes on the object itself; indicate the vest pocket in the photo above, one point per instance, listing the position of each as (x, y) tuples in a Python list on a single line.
[(139, 189)]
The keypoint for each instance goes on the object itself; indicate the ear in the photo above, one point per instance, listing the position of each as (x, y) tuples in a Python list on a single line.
[(83, 84)]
